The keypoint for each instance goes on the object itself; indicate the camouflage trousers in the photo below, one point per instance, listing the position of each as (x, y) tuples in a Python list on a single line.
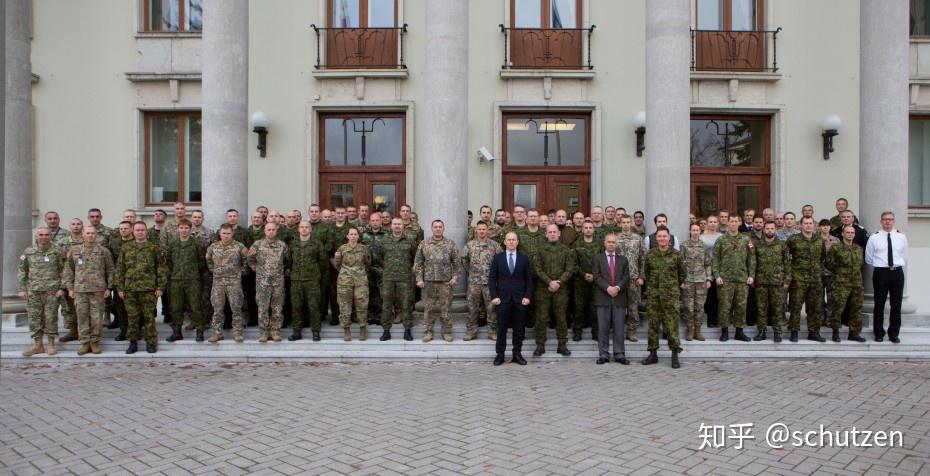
[(437, 297), (305, 301), (584, 306), (89, 309), (348, 294), (546, 303), (692, 302), (478, 297), (269, 295), (770, 301), (396, 297), (634, 296), (663, 310), (68, 312), (843, 297), (732, 298), (42, 309), (186, 293), (807, 294), (231, 290), (141, 305)]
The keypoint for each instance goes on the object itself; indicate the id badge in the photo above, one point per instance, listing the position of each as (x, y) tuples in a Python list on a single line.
[(80, 261), (46, 259)]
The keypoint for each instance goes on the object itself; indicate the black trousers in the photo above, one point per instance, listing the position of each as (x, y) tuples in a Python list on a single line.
[(885, 282), (510, 315)]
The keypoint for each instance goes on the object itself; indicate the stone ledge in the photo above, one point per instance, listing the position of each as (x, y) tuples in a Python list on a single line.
[(547, 73), (360, 73), (139, 77), (728, 75)]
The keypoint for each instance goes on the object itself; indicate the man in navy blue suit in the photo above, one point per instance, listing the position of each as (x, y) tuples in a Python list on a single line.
[(511, 285)]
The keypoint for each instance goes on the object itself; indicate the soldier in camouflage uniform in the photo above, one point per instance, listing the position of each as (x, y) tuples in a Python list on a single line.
[(322, 232), (53, 223), (68, 312), (477, 256), (104, 233), (697, 281), (734, 267), (268, 258), (773, 271), (808, 254), (309, 259), (397, 252), (39, 280), (437, 267), (495, 231), (585, 248), (372, 237), (88, 275), (339, 231), (531, 237), (119, 305), (845, 261), (140, 279), (185, 261), (664, 271), (242, 235), (226, 259), (630, 245), (554, 265), (351, 261), (205, 236)]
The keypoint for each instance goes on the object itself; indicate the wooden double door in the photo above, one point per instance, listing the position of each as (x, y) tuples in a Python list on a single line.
[(381, 191), (570, 192)]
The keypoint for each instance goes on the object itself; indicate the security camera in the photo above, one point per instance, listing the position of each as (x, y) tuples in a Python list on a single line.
[(485, 155)]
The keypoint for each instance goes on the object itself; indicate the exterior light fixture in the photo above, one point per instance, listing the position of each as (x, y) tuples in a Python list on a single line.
[(831, 128), (259, 122), (639, 120)]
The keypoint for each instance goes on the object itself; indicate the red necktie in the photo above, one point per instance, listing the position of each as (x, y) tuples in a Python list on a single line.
[(610, 262)]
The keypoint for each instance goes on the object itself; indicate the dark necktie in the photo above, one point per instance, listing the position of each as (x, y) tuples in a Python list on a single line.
[(890, 253), (510, 263)]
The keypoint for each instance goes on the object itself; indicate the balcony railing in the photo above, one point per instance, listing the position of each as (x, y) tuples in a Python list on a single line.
[(547, 48), (360, 48), (742, 51)]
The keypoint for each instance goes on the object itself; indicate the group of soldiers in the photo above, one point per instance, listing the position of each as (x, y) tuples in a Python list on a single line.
[(368, 266)]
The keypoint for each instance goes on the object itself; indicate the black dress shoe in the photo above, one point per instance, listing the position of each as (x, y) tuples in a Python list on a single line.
[(499, 359), (121, 336), (150, 348), (296, 335), (175, 335), (650, 359), (724, 334), (879, 338), (199, 335), (621, 360), (540, 350), (133, 347), (856, 337), (836, 335), (740, 335), (385, 336), (602, 360), (675, 363), (408, 335), (895, 340), (777, 337), (563, 349), (794, 336), (518, 358), (760, 336), (816, 337)]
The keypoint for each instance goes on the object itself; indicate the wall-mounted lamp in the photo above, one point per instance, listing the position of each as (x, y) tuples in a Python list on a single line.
[(259, 122), (831, 128), (639, 120)]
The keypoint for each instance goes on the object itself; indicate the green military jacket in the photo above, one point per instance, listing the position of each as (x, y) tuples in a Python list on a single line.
[(185, 259), (339, 234), (352, 263), (773, 264), (697, 261), (734, 258), (664, 272), (227, 262), (40, 269), (309, 260), (374, 240), (437, 260), (808, 256), (116, 245), (88, 269), (414, 232), (477, 258), (397, 255), (584, 254), (141, 267), (530, 241), (845, 261), (553, 261)]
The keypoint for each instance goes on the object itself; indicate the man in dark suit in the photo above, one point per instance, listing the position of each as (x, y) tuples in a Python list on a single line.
[(510, 283), (610, 273)]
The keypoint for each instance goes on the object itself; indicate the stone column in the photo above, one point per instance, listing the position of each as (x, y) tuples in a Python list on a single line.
[(668, 112), (17, 196), (225, 156), (884, 71), (445, 109), (3, 257)]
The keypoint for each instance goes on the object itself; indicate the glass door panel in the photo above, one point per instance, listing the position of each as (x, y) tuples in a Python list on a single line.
[(384, 197), (341, 194)]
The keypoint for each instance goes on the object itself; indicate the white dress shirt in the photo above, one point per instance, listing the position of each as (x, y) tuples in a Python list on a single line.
[(876, 250)]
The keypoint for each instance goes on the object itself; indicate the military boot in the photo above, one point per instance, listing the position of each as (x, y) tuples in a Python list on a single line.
[(132, 349), (540, 350), (36, 348), (386, 335), (675, 363), (263, 337), (85, 348), (492, 335), (316, 336), (470, 335), (776, 336), (724, 334), (408, 335), (70, 336), (853, 336), (631, 335), (276, 335), (576, 335), (346, 333), (237, 336), (121, 336), (216, 337), (95, 347), (199, 337), (50, 348), (363, 333), (740, 335), (428, 335), (760, 336), (447, 336), (836, 335), (689, 333), (563, 349), (697, 332), (794, 336), (295, 335), (815, 336), (175, 335), (652, 358)]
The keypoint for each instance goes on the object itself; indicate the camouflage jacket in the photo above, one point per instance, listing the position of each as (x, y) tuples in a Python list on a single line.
[(204, 235), (40, 270), (59, 234), (845, 261), (168, 232), (185, 259), (773, 265), (141, 267), (783, 234), (374, 240), (88, 269), (414, 232), (321, 232), (240, 234), (340, 233), (397, 256), (553, 262), (288, 235), (638, 230), (352, 263), (154, 234), (697, 261), (116, 245), (104, 234), (664, 272), (584, 255), (309, 260), (437, 260), (530, 241), (477, 258), (807, 257), (632, 247), (734, 258), (68, 241), (227, 262), (268, 259), (255, 233)]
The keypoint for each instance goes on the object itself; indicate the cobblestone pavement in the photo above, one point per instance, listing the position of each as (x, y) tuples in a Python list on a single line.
[(462, 418)]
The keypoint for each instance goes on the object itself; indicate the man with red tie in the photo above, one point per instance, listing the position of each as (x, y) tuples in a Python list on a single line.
[(611, 273), (886, 252)]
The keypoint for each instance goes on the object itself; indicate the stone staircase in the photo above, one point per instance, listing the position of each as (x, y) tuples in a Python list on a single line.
[(915, 345)]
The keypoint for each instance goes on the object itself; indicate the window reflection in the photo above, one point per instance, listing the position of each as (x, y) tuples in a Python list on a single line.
[(369, 141), (546, 141)]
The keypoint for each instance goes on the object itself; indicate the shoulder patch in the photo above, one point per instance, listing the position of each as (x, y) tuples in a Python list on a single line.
[(22, 257)]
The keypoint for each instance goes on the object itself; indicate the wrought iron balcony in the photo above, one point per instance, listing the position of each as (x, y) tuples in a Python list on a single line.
[(547, 48), (360, 48), (739, 51)]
